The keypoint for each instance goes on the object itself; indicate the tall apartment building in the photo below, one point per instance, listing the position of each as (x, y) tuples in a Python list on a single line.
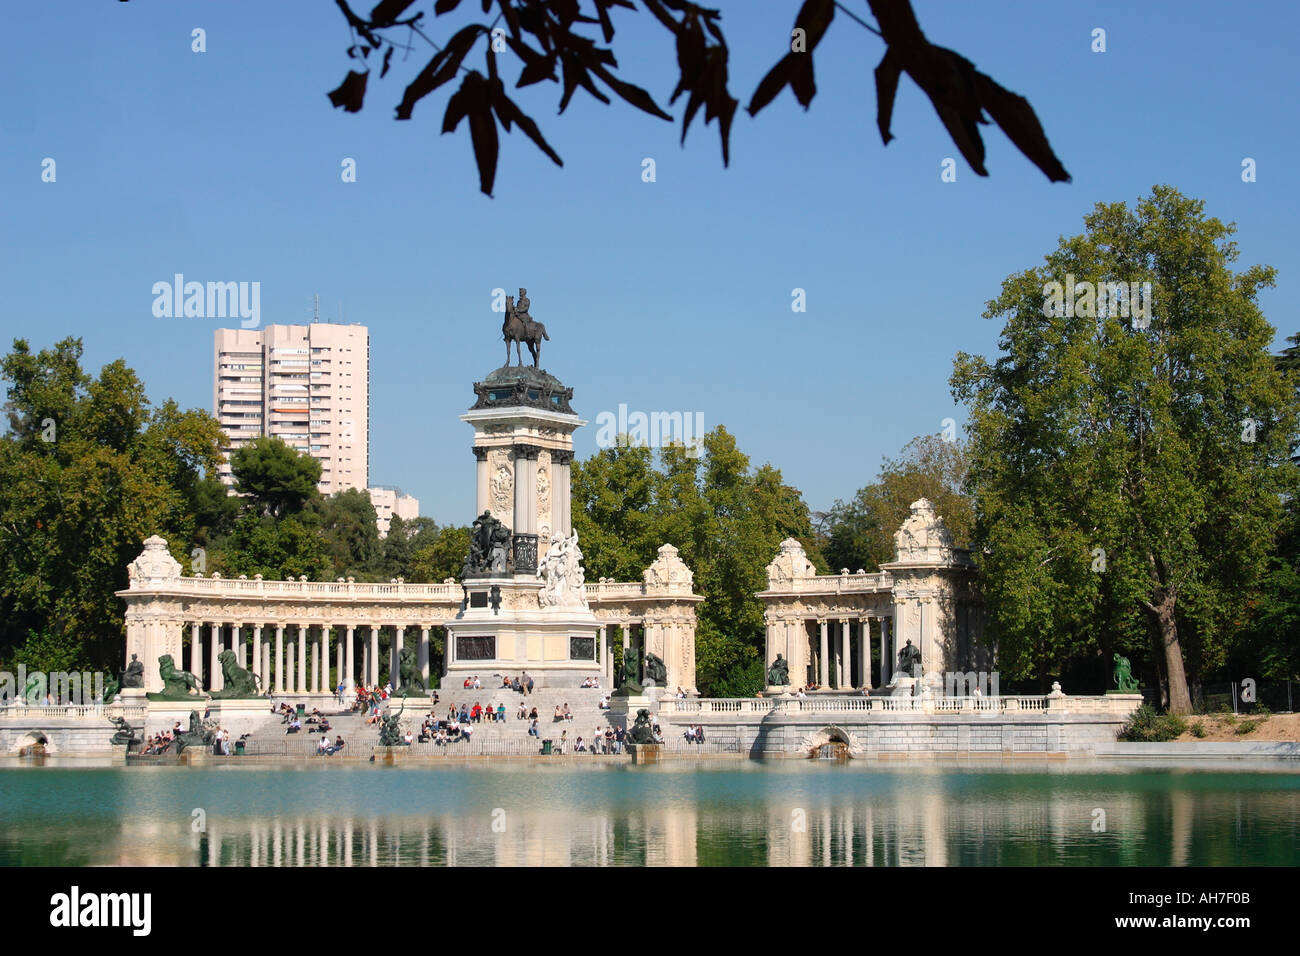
[(307, 384)]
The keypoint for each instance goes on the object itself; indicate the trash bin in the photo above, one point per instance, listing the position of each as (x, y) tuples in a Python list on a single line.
[(302, 709), (239, 748), (546, 747)]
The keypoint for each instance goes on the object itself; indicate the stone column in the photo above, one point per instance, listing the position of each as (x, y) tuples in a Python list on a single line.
[(373, 676), (279, 658), (483, 478), (266, 664), (422, 655), (300, 685), (530, 471), (339, 666), (523, 492), (846, 659), (395, 661), (214, 678), (864, 651), (317, 653), (237, 638), (288, 666), (561, 492), (365, 662), (823, 665), (349, 668), (196, 651), (255, 648)]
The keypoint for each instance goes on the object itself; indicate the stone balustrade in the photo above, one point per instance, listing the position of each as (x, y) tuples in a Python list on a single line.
[(1113, 704)]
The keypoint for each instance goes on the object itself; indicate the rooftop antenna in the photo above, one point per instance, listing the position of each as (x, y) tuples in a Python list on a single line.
[(315, 309)]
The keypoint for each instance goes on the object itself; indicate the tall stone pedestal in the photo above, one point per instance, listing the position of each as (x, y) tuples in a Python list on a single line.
[(645, 753), (622, 710), (555, 645)]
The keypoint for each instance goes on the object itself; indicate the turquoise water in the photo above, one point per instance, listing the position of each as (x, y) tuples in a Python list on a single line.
[(815, 813)]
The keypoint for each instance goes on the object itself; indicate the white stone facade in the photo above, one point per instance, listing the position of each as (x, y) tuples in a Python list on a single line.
[(826, 626)]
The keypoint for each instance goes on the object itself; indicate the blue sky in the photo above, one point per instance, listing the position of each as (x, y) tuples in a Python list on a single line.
[(667, 296)]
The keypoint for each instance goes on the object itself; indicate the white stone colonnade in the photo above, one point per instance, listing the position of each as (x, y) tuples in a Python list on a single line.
[(827, 625), (284, 630)]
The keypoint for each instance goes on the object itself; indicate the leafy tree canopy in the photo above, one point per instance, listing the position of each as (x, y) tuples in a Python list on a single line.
[(1128, 453)]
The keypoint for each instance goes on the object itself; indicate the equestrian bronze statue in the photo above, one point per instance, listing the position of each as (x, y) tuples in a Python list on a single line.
[(520, 327)]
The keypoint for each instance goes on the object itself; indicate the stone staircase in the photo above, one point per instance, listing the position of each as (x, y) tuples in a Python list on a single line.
[(487, 737), (512, 734)]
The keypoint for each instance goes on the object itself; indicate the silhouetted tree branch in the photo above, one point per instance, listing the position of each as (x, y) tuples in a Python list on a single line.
[(541, 35)]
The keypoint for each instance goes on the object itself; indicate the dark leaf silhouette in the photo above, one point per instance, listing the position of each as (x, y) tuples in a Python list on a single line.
[(887, 75), (548, 37), (509, 113), (703, 67), (351, 93), (386, 11), (473, 100), (959, 93), (632, 94), (440, 69), (1017, 119), (795, 69)]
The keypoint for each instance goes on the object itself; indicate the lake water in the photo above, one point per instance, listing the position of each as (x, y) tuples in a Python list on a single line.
[(816, 813)]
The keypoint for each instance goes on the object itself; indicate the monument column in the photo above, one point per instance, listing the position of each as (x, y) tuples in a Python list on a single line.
[(483, 476), (214, 679), (196, 652), (523, 490), (237, 638), (864, 651), (823, 667), (255, 649), (423, 655), (340, 665), (279, 658), (562, 518), (300, 685), (349, 669), (846, 659), (373, 660), (266, 664)]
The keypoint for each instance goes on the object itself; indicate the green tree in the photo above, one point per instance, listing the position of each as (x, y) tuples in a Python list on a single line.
[(1125, 459), (433, 561), (350, 534), (277, 479), (88, 470), (276, 548), (727, 520), (612, 494)]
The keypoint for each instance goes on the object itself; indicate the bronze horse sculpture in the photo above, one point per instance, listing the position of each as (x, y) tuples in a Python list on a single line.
[(520, 327)]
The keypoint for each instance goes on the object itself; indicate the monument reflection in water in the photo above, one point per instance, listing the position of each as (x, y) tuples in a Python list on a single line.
[(698, 814)]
